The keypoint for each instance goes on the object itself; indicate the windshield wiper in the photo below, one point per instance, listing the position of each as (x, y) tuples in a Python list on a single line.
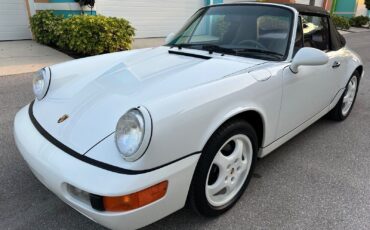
[(208, 47), (259, 51), (240, 51), (218, 49), (233, 51), (181, 45)]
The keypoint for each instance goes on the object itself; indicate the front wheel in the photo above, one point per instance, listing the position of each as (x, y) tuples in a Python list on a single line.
[(224, 168), (344, 106)]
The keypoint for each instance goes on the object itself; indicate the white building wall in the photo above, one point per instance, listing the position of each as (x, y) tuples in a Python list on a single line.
[(231, 1), (151, 18), (361, 8), (14, 23), (317, 3)]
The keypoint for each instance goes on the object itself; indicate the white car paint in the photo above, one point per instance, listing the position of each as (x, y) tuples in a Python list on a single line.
[(55, 169), (188, 99)]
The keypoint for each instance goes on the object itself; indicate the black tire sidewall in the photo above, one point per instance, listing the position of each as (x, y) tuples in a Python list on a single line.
[(336, 113), (198, 196)]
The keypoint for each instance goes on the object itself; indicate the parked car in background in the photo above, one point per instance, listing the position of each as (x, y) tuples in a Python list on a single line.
[(128, 138)]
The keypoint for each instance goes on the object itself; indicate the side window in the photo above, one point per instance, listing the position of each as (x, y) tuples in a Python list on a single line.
[(316, 32), (299, 37)]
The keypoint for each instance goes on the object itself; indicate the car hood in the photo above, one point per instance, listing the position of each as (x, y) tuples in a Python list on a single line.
[(95, 101)]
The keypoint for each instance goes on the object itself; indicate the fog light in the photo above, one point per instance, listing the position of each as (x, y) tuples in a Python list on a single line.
[(79, 194), (135, 200)]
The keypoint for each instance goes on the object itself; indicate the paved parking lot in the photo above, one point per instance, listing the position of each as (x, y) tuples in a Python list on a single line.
[(318, 180)]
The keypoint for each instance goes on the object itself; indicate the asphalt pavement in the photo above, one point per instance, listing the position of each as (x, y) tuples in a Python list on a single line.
[(318, 180)]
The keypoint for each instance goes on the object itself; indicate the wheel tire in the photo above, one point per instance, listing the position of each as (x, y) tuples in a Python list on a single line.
[(197, 195), (337, 113)]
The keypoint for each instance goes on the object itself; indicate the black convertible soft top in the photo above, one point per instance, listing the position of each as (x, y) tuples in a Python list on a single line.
[(337, 40), (307, 9)]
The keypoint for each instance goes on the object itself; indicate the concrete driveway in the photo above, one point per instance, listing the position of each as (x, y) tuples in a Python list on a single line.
[(318, 180), (27, 56)]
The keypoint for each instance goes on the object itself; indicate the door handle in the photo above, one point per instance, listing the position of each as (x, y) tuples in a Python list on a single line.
[(336, 64)]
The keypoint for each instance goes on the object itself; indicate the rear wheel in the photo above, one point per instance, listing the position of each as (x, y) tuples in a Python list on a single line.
[(344, 106), (224, 168)]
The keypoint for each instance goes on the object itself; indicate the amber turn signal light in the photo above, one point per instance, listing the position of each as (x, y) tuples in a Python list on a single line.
[(135, 200)]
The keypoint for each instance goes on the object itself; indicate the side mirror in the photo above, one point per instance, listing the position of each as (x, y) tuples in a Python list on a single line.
[(308, 56), (170, 37)]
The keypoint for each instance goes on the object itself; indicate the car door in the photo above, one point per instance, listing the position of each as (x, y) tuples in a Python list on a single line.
[(311, 90)]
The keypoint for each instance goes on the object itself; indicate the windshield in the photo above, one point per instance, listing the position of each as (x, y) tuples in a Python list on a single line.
[(251, 30)]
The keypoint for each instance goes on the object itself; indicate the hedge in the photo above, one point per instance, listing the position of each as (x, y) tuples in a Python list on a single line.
[(367, 4), (341, 23), (359, 21), (45, 27), (82, 34)]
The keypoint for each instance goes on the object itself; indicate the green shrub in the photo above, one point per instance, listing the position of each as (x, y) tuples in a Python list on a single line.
[(367, 4), (83, 34), (91, 35), (45, 26), (341, 23), (359, 21)]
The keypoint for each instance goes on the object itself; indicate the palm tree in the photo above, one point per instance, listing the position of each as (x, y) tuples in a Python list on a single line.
[(367, 3)]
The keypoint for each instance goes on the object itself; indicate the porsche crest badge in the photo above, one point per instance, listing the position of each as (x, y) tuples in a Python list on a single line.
[(63, 118)]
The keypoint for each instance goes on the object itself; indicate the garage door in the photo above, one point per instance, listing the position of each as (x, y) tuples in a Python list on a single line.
[(151, 18), (13, 20)]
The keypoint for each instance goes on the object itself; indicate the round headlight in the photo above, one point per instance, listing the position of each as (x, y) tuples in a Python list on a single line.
[(41, 83), (133, 133)]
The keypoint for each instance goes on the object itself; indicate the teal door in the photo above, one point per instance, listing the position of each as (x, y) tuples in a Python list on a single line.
[(346, 8), (212, 2)]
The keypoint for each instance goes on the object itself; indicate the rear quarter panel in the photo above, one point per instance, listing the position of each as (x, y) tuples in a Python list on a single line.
[(351, 61)]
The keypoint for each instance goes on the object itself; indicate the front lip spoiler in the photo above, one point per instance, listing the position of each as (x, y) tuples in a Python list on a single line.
[(89, 160)]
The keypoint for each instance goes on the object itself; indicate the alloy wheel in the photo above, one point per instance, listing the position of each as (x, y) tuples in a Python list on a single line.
[(350, 95), (229, 170)]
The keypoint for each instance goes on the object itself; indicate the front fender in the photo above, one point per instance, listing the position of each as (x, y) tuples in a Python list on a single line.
[(183, 122)]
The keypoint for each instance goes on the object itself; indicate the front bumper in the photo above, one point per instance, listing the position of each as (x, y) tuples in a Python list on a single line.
[(56, 170)]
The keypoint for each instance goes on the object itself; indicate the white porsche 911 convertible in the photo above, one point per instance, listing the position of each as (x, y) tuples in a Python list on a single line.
[(130, 137)]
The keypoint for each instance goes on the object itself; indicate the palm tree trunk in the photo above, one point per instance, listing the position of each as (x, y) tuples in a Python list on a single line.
[(312, 2)]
